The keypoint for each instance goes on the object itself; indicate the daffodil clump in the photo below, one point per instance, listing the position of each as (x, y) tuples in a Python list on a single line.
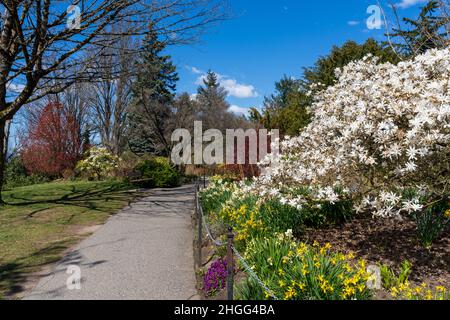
[(297, 271), (246, 221), (407, 291), (217, 194), (225, 202)]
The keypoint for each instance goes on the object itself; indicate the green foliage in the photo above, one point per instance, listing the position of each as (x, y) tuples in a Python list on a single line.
[(153, 95), (424, 291), (432, 222), (252, 218), (288, 108), (323, 71), (157, 75), (279, 217), (157, 173), (425, 32), (249, 289), (389, 279), (296, 271), (325, 214), (98, 164), (211, 91), (216, 195), (16, 175), (213, 106)]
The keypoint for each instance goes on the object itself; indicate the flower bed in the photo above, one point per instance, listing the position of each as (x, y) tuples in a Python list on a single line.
[(293, 269)]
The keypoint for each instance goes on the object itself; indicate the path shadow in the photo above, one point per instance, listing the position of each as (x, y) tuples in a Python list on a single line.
[(13, 275)]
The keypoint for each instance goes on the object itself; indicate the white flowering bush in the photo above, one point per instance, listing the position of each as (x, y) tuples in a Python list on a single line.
[(98, 164), (380, 136)]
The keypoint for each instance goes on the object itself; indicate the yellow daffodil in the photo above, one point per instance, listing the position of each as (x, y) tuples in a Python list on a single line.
[(441, 289), (447, 214), (290, 293), (301, 286)]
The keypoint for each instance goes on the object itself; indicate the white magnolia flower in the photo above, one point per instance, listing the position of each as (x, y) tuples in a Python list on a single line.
[(375, 132)]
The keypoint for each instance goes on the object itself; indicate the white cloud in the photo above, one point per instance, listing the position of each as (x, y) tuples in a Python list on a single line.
[(238, 90), (352, 23), (239, 110), (234, 88), (409, 3), (194, 96), (196, 71)]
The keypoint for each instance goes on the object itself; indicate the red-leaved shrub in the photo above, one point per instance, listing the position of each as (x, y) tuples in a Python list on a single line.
[(53, 144)]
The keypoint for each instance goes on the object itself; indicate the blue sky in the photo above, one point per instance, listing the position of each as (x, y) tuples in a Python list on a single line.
[(266, 39)]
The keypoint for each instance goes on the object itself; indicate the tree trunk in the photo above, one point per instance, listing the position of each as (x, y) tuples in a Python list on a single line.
[(3, 148)]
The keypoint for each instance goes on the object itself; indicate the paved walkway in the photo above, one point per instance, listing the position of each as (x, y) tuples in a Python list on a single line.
[(144, 252)]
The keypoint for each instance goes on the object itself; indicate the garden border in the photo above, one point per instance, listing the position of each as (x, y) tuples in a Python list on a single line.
[(231, 249)]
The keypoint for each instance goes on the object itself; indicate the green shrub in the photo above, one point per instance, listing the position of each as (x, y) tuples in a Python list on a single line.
[(319, 214), (431, 223), (157, 173), (296, 271), (16, 175), (279, 217)]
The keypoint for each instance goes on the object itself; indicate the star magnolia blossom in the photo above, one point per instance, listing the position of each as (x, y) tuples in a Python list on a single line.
[(380, 131)]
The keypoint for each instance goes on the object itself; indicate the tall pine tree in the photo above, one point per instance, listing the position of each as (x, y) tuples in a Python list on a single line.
[(211, 97), (426, 32), (153, 95)]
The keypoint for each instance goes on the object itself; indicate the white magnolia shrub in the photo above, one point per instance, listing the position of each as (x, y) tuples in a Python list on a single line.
[(380, 136)]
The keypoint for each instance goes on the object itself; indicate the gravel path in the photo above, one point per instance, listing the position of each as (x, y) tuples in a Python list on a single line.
[(143, 252)]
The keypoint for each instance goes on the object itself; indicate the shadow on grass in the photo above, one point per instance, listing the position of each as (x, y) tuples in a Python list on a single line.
[(90, 198), (14, 274)]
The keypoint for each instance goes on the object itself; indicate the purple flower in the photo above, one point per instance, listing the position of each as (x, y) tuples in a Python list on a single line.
[(216, 277)]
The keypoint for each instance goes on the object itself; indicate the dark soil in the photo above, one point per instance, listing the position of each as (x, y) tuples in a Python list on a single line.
[(389, 242)]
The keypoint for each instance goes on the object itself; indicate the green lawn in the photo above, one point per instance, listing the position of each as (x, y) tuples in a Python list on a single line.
[(41, 221)]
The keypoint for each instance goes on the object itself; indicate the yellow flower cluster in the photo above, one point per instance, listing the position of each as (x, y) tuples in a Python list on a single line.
[(422, 292), (325, 285), (349, 280), (356, 283), (244, 220), (447, 213), (293, 290)]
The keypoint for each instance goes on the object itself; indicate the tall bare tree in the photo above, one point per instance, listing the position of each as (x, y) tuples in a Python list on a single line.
[(43, 42), (110, 97)]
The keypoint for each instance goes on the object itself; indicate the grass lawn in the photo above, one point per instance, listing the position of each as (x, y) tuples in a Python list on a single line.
[(41, 221)]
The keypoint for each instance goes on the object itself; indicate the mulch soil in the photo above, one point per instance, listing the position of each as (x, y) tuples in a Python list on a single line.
[(389, 242)]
